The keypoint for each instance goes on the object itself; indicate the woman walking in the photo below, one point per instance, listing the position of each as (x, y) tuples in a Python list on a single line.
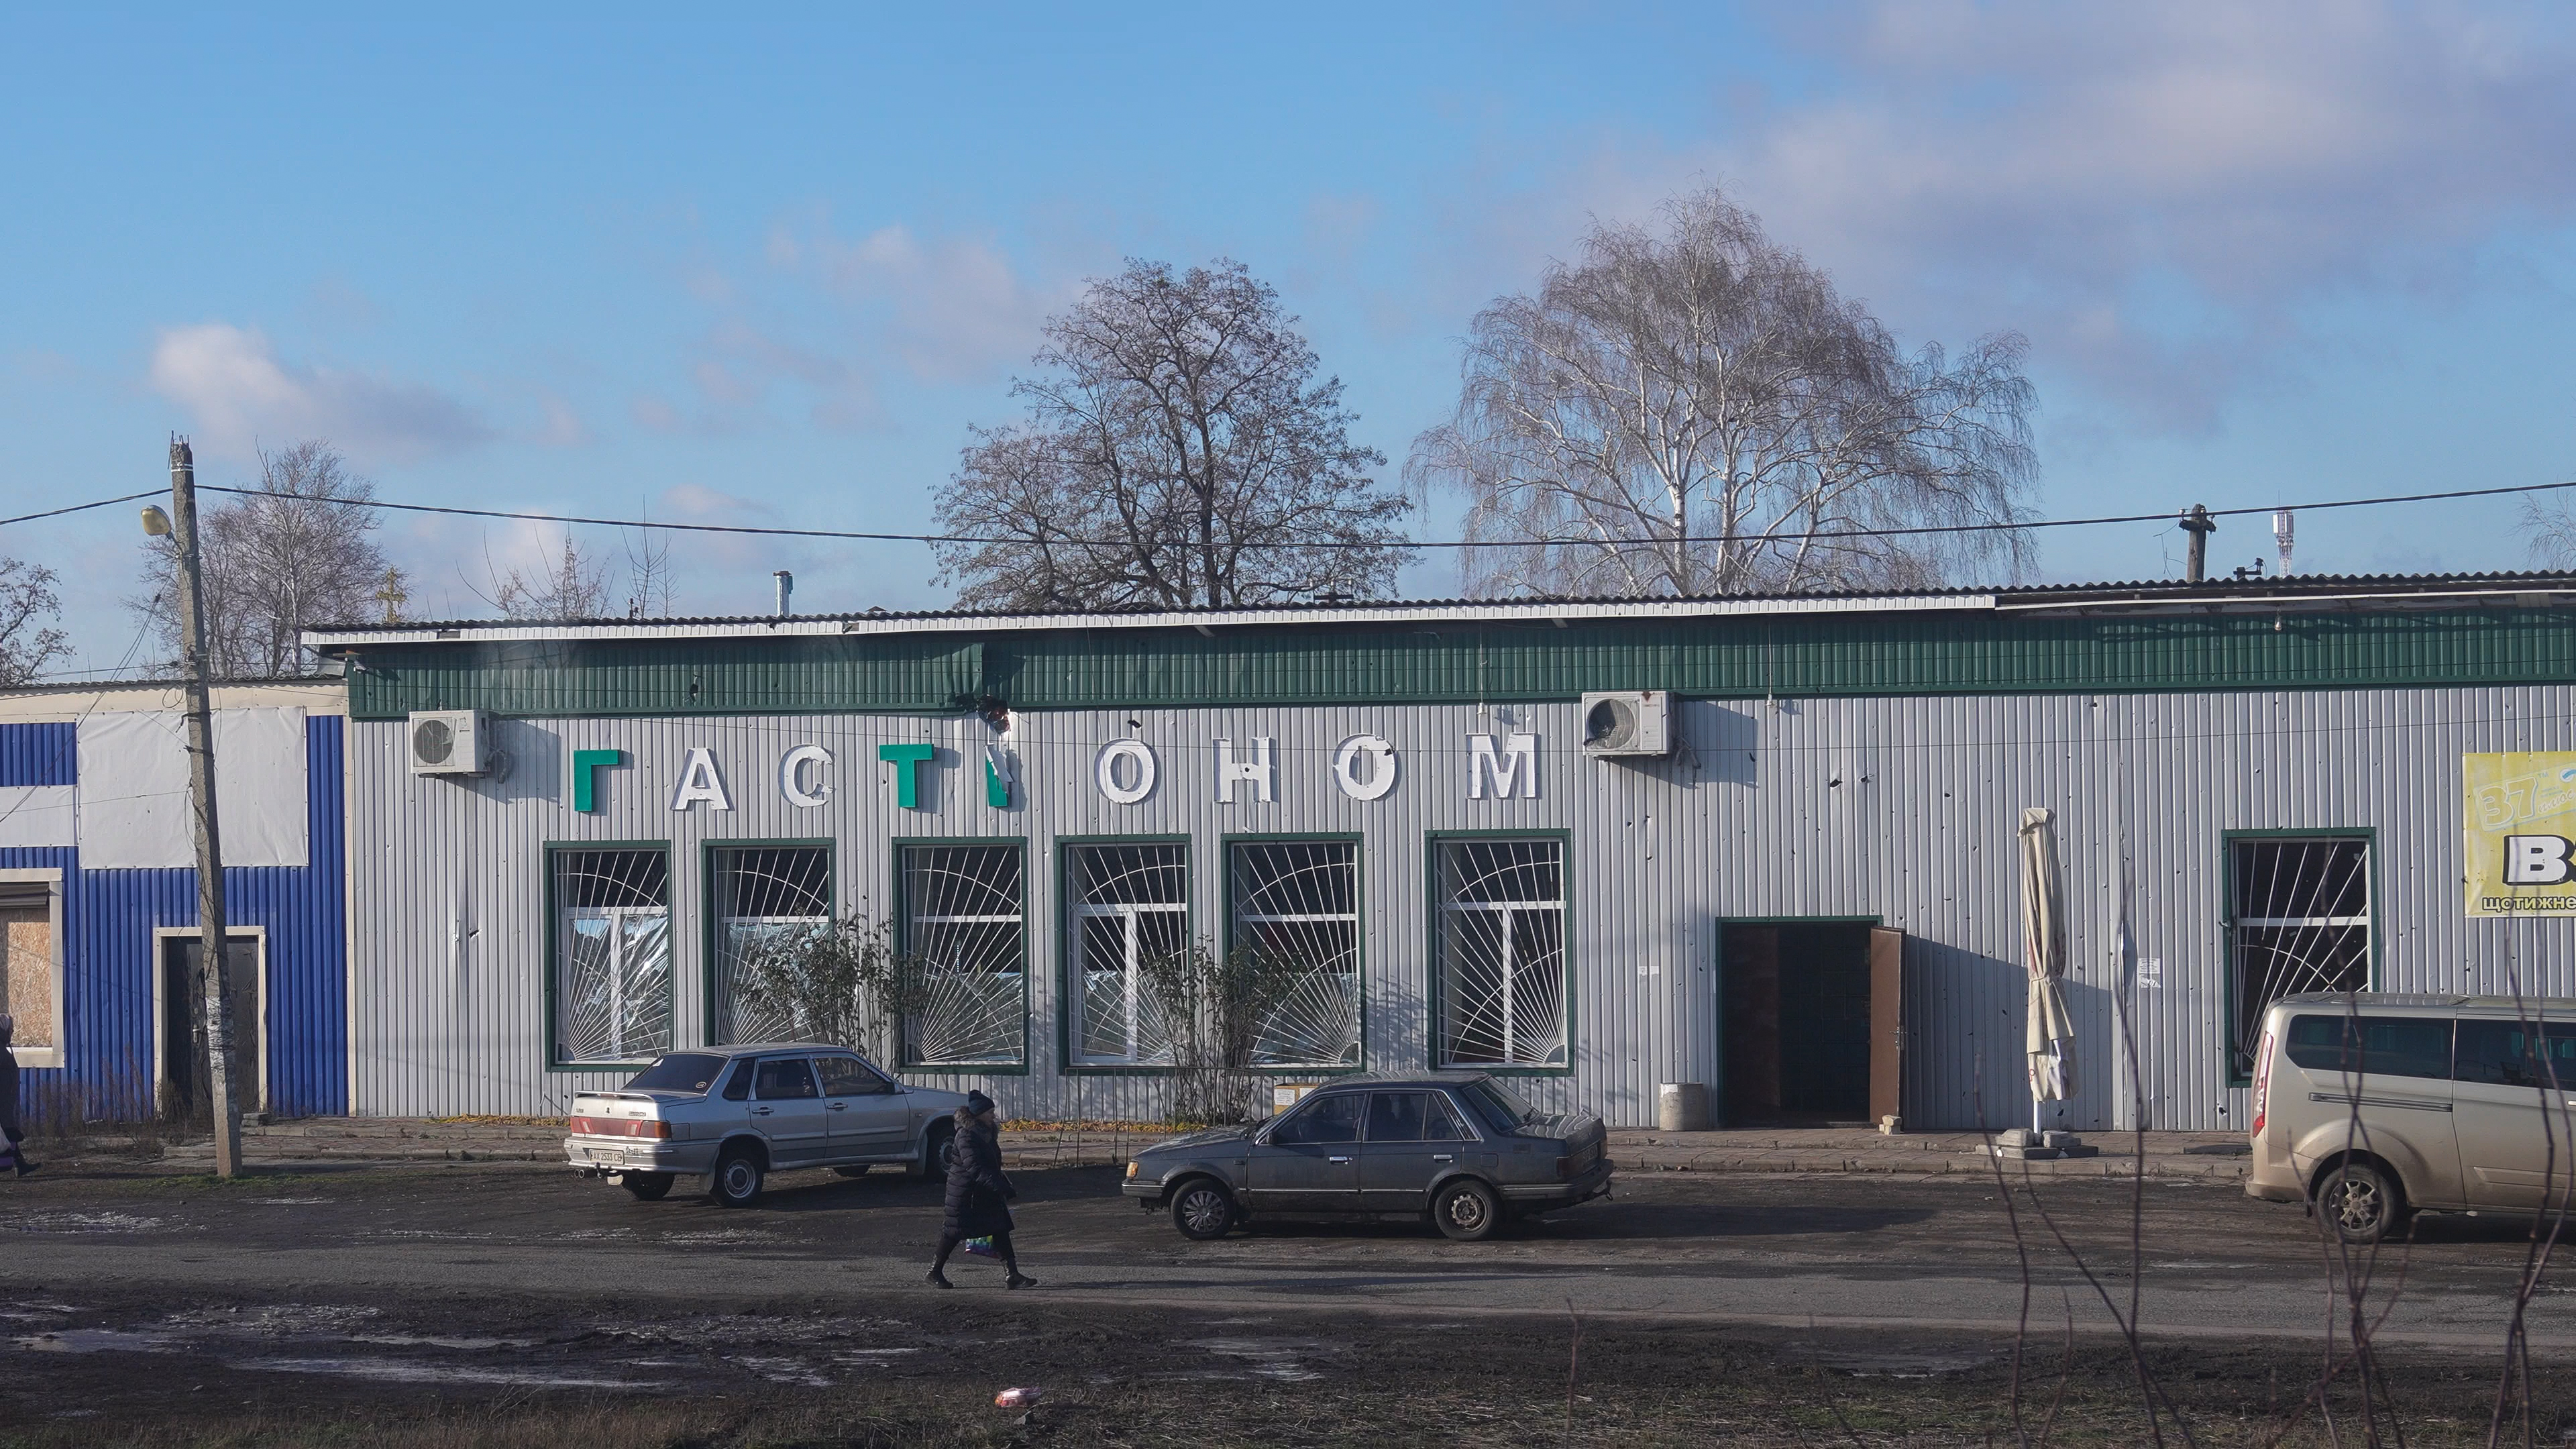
[(976, 1192), (11, 1134)]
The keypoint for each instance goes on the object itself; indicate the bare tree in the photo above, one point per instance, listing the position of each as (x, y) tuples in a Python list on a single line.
[(1178, 452), (1684, 413), (298, 551), (573, 587), (2550, 529), (648, 576), (28, 642)]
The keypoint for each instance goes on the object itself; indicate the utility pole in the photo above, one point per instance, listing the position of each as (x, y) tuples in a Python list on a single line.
[(2200, 526), (201, 793)]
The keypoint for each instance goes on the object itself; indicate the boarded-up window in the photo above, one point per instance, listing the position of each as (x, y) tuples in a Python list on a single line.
[(27, 965), (612, 984), (1502, 953), (2301, 922)]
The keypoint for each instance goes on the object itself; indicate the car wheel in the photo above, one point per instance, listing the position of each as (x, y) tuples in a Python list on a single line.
[(1202, 1210), (648, 1186), (738, 1178), (934, 1151), (855, 1169), (2360, 1203), (1467, 1211)]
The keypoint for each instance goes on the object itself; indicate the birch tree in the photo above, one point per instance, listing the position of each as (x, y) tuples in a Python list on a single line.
[(1697, 411), (1178, 451), (301, 550)]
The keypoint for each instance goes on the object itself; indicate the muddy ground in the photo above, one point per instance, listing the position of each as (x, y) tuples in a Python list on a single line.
[(503, 1305)]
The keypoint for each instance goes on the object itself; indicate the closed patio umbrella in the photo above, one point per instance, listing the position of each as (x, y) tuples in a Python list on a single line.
[(2051, 1035)]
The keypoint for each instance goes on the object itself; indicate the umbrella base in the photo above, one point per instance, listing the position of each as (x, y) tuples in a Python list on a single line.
[(2020, 1144)]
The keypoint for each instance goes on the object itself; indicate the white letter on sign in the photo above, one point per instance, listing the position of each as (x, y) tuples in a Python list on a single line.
[(1140, 758), (2536, 860), (700, 781), (1256, 771), (1517, 763), (791, 776), (1381, 767)]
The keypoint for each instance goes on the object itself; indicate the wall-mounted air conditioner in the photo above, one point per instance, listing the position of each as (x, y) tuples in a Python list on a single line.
[(448, 742), (1628, 722)]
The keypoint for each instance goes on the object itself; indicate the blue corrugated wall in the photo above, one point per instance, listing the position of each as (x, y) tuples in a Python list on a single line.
[(38, 754), (108, 920)]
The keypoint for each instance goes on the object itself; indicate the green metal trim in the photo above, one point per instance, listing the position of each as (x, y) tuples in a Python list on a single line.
[(1431, 842), (546, 852), (1359, 899), (1961, 652), (710, 915), (1717, 1089), (2227, 841), (903, 942), (1067, 950)]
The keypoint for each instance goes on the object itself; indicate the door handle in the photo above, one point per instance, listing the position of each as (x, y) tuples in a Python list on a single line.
[(760, 1111), (1337, 1159), (1444, 1157), (840, 1107)]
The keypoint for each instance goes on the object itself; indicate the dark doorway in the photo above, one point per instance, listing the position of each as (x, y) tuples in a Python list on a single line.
[(1799, 1028), (187, 1092)]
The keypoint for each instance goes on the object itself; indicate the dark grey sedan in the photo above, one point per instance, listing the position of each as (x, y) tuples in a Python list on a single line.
[(1463, 1149)]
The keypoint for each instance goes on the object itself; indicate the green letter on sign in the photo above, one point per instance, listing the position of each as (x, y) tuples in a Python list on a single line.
[(908, 760), (586, 765)]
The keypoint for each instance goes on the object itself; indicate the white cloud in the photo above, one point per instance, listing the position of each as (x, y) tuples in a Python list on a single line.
[(951, 308), (2155, 191), (239, 394)]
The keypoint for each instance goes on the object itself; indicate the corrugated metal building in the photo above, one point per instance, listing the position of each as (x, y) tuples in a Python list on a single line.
[(1393, 812), (99, 963)]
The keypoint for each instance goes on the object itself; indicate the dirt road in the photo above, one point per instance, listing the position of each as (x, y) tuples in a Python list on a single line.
[(502, 1278)]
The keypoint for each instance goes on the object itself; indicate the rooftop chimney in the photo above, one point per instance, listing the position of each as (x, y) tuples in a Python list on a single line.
[(2200, 526), (786, 588)]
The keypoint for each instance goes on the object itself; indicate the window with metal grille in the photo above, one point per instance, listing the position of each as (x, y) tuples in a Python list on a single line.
[(1502, 953), (1127, 905), (612, 964), (2299, 921), (1297, 909), (963, 923), (767, 902)]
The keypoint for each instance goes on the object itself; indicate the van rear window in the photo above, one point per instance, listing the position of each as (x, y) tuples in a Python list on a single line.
[(2377, 1046)]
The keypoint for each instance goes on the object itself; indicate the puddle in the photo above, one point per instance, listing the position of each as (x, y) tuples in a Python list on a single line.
[(1270, 1358), (280, 1319), (420, 1371), (871, 1357), (725, 1235), (439, 1234), (291, 1201), (1900, 1365), (88, 1223), (784, 1371), (95, 1340), (417, 1340)]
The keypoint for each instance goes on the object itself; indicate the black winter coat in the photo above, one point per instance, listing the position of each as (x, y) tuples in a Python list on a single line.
[(976, 1186), (9, 1094)]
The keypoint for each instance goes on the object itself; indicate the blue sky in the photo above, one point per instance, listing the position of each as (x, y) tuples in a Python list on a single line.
[(772, 270)]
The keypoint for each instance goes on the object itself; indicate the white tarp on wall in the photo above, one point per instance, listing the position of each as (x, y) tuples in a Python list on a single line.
[(37, 815), (134, 789)]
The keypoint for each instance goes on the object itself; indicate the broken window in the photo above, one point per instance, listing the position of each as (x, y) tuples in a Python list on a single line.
[(1129, 906), (963, 923), (2300, 909), (769, 901), (612, 984), (1297, 916), (1502, 953)]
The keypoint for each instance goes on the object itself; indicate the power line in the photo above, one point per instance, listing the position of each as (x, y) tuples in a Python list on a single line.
[(853, 535)]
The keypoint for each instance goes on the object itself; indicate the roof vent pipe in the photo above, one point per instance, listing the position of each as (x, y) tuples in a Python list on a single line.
[(2200, 526), (787, 588)]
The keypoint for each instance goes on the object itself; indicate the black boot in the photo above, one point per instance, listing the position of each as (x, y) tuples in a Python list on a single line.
[(1019, 1279), (25, 1167), (939, 1279)]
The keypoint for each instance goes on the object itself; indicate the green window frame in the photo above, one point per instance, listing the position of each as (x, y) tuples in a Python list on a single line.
[(2301, 914), (1300, 901), (1500, 940), (962, 905), (610, 974), (781, 889), (1136, 901)]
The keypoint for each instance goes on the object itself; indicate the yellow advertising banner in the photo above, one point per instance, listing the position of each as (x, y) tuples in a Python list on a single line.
[(2518, 827)]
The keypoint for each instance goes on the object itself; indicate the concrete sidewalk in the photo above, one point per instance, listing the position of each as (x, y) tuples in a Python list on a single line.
[(2209, 1156)]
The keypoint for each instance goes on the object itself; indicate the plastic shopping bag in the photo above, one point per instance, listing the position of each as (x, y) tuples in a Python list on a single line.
[(981, 1247)]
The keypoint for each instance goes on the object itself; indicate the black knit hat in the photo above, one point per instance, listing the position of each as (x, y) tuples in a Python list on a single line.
[(978, 1103)]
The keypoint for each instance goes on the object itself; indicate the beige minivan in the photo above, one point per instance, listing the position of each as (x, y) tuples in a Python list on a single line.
[(2373, 1106)]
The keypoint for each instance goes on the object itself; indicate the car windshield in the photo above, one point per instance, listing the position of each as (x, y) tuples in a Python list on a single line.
[(1499, 1106), (691, 1072)]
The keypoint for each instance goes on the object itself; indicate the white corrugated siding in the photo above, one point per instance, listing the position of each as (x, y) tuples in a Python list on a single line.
[(1897, 808)]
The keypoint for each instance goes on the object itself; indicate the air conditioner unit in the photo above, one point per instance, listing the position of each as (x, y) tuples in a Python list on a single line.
[(448, 742), (1628, 722)]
